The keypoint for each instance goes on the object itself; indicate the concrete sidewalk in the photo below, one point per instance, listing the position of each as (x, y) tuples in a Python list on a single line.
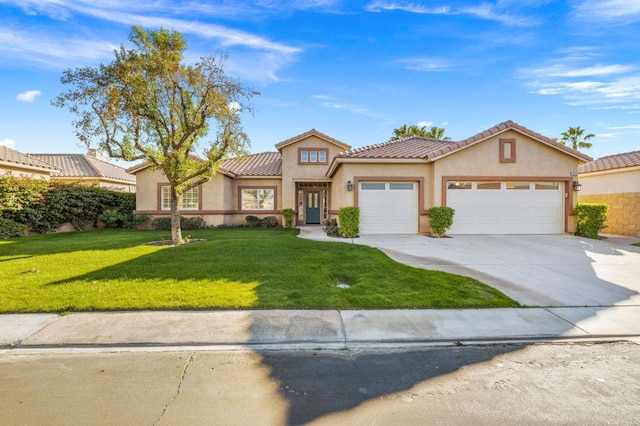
[(331, 329)]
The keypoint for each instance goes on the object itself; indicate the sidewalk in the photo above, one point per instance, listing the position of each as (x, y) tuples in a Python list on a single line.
[(331, 329)]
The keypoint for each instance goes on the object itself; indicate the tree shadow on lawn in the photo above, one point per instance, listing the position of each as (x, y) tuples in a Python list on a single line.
[(69, 242)]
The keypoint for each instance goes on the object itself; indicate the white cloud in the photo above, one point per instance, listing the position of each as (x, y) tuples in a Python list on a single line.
[(485, 11), (8, 142), (321, 97), (424, 64), (626, 127), (622, 11), (599, 85), (425, 124), (350, 108), (28, 96), (608, 135)]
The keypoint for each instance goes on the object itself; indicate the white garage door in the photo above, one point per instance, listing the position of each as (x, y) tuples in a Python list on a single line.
[(506, 207), (388, 207)]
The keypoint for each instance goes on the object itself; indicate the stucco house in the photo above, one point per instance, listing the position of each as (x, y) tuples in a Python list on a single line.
[(507, 179), (18, 164), (91, 169), (614, 180)]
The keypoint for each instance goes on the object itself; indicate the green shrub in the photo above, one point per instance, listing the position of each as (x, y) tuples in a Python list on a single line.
[(440, 219), (113, 219), (267, 222), (11, 229), (349, 221), (591, 219), (287, 214), (331, 228), (163, 223)]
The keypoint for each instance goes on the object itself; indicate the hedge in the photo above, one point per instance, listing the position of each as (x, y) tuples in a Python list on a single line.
[(349, 221), (591, 219), (440, 219)]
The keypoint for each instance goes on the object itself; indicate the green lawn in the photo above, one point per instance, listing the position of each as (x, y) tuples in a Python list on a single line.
[(232, 269)]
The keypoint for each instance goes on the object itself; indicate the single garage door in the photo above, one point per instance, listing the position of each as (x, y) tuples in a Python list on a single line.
[(388, 207), (506, 207)]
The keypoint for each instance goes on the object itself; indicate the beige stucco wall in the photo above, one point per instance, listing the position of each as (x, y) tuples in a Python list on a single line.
[(293, 172), (356, 172), (23, 172), (611, 181)]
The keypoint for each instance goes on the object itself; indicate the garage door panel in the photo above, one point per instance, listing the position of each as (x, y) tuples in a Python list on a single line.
[(388, 208), (507, 211)]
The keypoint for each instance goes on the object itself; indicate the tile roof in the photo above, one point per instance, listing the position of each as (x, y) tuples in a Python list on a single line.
[(82, 165), (408, 148), (610, 162), (429, 149), (262, 164), (12, 156), (312, 132)]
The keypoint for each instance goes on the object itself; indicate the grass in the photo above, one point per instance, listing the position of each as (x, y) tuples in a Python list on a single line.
[(232, 269)]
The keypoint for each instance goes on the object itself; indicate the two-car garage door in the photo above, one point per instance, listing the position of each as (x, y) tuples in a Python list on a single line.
[(506, 207), (491, 207)]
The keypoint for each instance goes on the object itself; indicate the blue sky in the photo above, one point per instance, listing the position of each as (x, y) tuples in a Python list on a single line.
[(354, 70)]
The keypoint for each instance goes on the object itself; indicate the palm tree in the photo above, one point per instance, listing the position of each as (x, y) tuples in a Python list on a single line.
[(576, 138), (405, 131)]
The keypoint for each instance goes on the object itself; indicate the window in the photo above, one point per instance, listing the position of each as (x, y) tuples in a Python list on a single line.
[(257, 199), (190, 199), (553, 186), (518, 185), (400, 186), (459, 185), (312, 156), (372, 186), (488, 185)]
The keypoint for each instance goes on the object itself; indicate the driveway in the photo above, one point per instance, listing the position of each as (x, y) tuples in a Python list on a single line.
[(537, 270)]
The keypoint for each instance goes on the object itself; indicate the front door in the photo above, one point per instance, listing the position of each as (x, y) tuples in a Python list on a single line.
[(313, 207)]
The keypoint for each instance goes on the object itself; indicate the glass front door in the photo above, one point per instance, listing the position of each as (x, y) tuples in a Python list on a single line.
[(312, 209)]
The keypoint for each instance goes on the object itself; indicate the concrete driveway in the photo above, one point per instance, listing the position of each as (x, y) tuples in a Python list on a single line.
[(539, 270)]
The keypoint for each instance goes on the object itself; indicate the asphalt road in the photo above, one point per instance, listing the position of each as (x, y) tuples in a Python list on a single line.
[(594, 383)]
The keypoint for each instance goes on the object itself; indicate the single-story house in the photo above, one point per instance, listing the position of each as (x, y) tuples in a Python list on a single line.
[(614, 180), (507, 179), (18, 164), (91, 169)]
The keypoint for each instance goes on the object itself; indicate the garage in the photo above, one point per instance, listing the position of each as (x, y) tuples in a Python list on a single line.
[(506, 207), (388, 207)]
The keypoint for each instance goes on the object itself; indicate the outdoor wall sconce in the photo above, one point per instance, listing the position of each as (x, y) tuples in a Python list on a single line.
[(577, 186), (350, 186)]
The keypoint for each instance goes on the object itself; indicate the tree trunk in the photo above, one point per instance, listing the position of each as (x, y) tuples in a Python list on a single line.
[(176, 231)]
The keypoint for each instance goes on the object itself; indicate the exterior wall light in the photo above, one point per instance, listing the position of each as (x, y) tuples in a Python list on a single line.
[(577, 186), (349, 186)]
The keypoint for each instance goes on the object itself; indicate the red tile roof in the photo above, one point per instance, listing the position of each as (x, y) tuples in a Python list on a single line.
[(263, 164), (412, 147), (610, 162), (429, 149)]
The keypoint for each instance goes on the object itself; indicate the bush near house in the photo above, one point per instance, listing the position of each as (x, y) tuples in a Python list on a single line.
[(331, 228), (44, 206), (288, 214), (591, 219), (349, 221), (440, 219), (163, 223), (256, 222)]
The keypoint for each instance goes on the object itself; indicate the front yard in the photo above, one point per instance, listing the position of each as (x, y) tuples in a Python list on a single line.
[(232, 269)]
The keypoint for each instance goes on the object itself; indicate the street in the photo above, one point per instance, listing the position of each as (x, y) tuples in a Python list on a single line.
[(551, 383)]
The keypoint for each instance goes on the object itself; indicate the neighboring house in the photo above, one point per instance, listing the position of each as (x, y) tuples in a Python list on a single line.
[(614, 180), (507, 179), (18, 164), (91, 169)]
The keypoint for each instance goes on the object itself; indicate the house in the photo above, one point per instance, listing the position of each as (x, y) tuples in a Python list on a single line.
[(91, 169), (614, 180), (18, 164), (507, 179)]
